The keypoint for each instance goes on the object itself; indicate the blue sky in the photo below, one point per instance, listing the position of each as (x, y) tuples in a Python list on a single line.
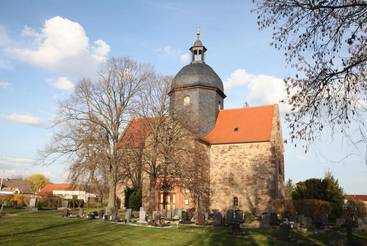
[(47, 46)]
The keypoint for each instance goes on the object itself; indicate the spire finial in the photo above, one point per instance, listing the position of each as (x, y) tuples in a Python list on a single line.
[(198, 32)]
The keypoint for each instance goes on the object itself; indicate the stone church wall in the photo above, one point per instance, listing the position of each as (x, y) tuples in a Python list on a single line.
[(246, 171)]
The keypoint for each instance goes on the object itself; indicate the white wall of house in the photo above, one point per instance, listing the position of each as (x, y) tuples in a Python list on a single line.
[(68, 194)]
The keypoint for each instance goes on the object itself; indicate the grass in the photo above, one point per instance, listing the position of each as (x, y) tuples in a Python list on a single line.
[(21, 227)]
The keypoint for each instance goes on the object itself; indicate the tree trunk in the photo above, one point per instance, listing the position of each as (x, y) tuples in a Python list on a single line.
[(111, 195), (152, 191)]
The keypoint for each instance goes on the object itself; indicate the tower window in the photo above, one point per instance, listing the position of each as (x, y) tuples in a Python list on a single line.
[(236, 129), (186, 100)]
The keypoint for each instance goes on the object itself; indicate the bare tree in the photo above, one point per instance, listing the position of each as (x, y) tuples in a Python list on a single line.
[(326, 42), (92, 120)]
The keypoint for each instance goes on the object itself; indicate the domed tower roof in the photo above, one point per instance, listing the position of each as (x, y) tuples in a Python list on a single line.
[(197, 73)]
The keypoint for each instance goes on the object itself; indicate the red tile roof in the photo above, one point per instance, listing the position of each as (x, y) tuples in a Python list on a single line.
[(49, 188), (252, 124), (358, 197), (135, 132)]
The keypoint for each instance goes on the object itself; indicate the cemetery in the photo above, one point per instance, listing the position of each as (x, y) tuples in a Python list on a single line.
[(179, 227)]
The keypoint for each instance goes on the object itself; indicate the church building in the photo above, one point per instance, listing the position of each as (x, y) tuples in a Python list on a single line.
[(244, 146)]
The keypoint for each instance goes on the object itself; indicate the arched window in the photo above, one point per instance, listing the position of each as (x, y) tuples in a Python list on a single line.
[(235, 201), (186, 100)]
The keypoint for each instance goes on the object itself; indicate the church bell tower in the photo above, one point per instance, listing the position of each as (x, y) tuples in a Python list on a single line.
[(197, 94)]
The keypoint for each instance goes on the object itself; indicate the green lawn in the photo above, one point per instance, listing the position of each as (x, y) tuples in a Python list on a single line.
[(20, 227)]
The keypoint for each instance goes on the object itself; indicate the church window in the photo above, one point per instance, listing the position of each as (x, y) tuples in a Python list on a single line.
[(235, 201), (186, 100), (236, 129)]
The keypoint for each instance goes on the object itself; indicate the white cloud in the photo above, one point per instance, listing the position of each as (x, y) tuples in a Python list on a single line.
[(15, 161), (185, 58), (4, 84), (4, 37), (62, 83), (63, 46), (25, 119), (263, 89)]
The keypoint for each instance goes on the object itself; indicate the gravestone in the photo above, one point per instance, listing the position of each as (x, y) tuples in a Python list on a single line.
[(185, 217), (179, 213), (114, 214), (229, 217), (164, 213), (274, 221), (308, 222), (142, 216), (100, 214), (81, 212), (218, 218), (64, 203), (127, 215), (32, 202), (238, 216), (362, 225), (265, 220), (284, 232), (339, 222), (169, 215)]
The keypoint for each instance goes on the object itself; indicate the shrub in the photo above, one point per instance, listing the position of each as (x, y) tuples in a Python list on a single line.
[(76, 203), (355, 209), (326, 189), (50, 202), (249, 217), (283, 207), (18, 201), (313, 208), (128, 191), (6, 200), (135, 200)]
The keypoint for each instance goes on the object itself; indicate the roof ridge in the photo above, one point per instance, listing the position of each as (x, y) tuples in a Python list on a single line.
[(259, 106)]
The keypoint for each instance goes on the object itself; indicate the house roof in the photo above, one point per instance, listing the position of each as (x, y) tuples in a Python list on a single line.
[(358, 197), (12, 184), (251, 124), (49, 188)]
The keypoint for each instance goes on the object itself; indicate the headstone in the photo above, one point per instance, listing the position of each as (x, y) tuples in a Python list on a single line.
[(218, 219), (169, 215), (81, 212), (238, 216), (308, 222), (114, 214), (32, 202), (64, 203), (164, 213), (339, 222), (66, 213), (179, 213), (265, 220), (284, 232), (128, 215), (229, 217), (142, 216), (101, 213), (273, 220), (185, 217), (206, 216)]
